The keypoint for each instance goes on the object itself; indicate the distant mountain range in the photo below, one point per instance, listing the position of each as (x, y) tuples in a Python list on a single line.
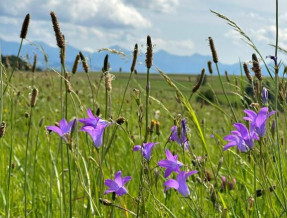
[(167, 62)]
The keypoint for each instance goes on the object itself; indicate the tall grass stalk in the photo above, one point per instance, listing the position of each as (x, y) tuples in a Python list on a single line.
[(67, 147), (34, 166), (26, 160), (147, 105), (61, 144), (10, 153), (276, 101), (1, 86)]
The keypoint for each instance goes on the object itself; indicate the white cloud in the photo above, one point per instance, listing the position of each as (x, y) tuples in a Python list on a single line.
[(267, 34), (107, 14), (164, 6)]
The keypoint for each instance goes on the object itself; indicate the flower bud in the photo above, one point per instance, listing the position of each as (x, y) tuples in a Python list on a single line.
[(264, 94)]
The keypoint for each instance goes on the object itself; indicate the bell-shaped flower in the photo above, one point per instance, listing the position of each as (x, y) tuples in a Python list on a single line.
[(258, 121), (63, 129), (91, 120), (117, 185), (180, 183), (171, 164), (95, 127), (146, 149), (179, 134), (241, 137)]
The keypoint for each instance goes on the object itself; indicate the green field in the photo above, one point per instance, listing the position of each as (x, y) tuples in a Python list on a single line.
[(144, 145), (60, 180)]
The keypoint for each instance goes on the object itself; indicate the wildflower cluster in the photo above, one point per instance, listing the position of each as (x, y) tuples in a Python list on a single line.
[(173, 165), (94, 126), (244, 138)]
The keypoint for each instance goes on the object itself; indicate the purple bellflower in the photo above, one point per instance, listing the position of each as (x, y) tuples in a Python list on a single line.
[(180, 137), (95, 127), (146, 149), (274, 58), (63, 130), (258, 121), (117, 185), (241, 137), (91, 121), (171, 164), (264, 95), (180, 183)]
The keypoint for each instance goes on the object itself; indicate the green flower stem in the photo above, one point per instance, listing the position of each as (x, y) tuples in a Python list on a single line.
[(147, 105)]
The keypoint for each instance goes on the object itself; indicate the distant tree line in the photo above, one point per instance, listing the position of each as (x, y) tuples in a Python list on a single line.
[(11, 61)]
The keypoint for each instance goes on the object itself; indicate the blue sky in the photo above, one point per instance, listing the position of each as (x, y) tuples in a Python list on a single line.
[(178, 26)]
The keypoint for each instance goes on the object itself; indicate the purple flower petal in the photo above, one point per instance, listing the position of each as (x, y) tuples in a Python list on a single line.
[(109, 191), (180, 138), (118, 178), (169, 155), (111, 184), (183, 188), (166, 163), (190, 173), (117, 185), (126, 179), (137, 147), (171, 183), (167, 172), (64, 126), (55, 129), (229, 145), (121, 191), (90, 114)]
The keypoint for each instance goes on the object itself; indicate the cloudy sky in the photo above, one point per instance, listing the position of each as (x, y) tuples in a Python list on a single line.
[(178, 26)]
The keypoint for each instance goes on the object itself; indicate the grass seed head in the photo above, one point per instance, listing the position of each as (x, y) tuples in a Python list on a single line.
[(58, 33), (135, 56), (106, 64), (199, 83), (256, 67), (68, 82), (75, 66), (63, 52), (247, 72), (149, 53), (108, 82), (34, 63), (25, 27), (34, 97), (213, 50), (84, 62), (209, 64)]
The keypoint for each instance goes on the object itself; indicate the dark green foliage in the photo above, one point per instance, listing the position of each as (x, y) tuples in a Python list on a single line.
[(250, 93), (21, 65), (208, 94)]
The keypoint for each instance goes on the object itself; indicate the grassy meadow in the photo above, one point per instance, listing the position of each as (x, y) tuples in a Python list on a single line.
[(43, 174)]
